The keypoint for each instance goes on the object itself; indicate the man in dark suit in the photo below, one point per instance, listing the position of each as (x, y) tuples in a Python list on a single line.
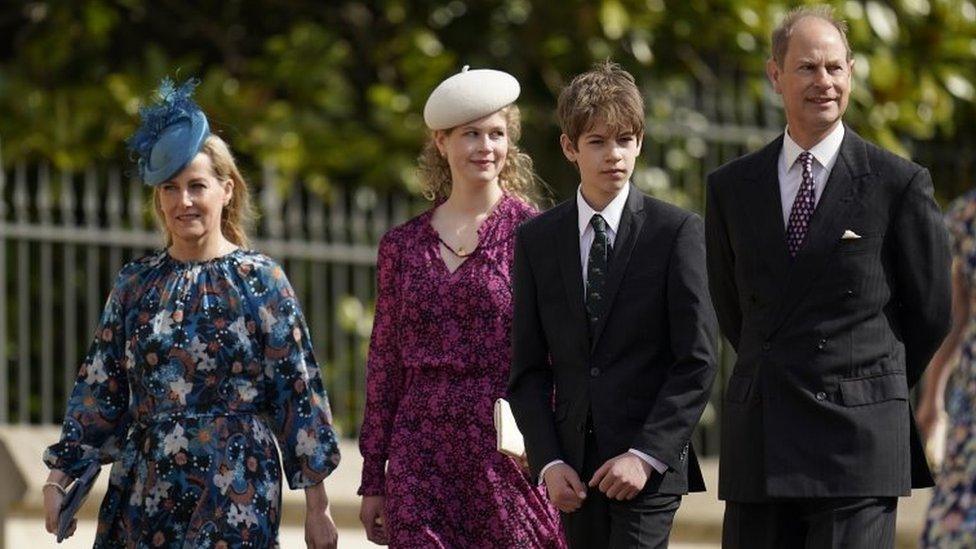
[(612, 312), (828, 265)]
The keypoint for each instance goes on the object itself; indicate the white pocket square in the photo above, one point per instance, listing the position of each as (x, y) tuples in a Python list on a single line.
[(849, 235)]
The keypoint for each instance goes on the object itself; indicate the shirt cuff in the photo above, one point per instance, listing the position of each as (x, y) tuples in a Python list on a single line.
[(542, 474), (656, 464)]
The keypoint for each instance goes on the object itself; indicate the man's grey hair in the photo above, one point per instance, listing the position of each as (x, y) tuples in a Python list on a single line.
[(783, 31)]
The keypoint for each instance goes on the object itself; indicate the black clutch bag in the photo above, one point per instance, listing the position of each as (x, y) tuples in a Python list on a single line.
[(75, 498)]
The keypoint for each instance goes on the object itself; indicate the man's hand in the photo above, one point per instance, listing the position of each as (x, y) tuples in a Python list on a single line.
[(566, 490), (622, 477)]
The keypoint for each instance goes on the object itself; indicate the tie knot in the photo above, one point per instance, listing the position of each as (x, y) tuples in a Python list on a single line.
[(599, 224), (806, 158)]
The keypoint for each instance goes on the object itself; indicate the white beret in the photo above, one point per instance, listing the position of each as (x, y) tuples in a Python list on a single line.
[(469, 95)]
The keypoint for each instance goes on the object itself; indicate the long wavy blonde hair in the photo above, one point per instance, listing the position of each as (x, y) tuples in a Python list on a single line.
[(517, 177), (238, 215)]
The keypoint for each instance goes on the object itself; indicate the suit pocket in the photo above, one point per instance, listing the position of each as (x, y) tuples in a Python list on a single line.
[(738, 388), (870, 390), (643, 281), (859, 245)]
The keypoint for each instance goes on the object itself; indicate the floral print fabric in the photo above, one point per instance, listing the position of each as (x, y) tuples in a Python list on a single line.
[(196, 369), (951, 518), (439, 357)]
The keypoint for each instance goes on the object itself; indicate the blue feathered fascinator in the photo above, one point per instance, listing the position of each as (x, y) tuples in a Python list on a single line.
[(171, 133)]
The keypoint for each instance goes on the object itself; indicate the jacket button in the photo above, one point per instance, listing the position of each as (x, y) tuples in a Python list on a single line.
[(821, 344), (821, 395), (594, 372), (766, 346)]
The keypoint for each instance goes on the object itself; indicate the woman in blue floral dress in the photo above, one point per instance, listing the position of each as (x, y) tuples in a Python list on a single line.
[(951, 520), (201, 361)]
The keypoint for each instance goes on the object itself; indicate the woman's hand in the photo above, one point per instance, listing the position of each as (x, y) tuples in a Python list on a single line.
[(52, 504), (927, 417), (373, 517), (320, 529)]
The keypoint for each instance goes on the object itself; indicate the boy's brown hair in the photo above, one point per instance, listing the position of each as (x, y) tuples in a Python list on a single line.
[(604, 93)]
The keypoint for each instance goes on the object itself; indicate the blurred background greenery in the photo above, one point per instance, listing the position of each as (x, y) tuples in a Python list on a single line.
[(331, 93), (325, 98)]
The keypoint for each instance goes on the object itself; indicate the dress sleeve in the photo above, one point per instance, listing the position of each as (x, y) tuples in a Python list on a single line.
[(384, 375), (96, 419), (959, 222), (299, 407)]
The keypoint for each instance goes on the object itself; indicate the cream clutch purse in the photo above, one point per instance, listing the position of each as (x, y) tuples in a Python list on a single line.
[(508, 438)]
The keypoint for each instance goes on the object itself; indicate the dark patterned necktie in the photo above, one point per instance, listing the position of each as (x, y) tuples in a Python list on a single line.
[(799, 224), (597, 268)]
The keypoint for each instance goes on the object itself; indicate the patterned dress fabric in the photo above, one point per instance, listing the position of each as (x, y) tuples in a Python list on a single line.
[(196, 370), (803, 205), (439, 357), (951, 520)]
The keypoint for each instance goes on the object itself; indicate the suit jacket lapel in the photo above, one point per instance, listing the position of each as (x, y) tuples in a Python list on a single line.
[(769, 210), (827, 224), (631, 221), (567, 249)]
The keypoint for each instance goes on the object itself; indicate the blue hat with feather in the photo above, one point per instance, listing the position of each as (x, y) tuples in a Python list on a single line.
[(171, 133)]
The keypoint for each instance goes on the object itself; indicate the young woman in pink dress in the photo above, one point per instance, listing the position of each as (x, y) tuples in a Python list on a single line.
[(439, 354)]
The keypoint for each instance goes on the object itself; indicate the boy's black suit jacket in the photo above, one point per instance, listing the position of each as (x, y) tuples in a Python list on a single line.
[(645, 373)]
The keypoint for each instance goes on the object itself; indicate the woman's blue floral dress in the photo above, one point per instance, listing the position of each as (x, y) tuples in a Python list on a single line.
[(951, 519), (196, 369)]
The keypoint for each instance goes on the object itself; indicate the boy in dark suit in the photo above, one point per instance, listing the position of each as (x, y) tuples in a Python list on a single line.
[(612, 311)]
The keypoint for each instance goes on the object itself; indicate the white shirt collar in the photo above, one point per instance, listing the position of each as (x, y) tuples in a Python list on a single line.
[(825, 152), (611, 214)]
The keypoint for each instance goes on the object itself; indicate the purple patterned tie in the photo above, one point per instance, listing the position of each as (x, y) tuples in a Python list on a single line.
[(796, 230)]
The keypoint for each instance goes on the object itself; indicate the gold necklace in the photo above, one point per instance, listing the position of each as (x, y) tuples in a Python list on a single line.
[(460, 251)]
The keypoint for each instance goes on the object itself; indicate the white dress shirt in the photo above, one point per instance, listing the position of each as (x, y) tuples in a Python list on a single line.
[(825, 155), (611, 214)]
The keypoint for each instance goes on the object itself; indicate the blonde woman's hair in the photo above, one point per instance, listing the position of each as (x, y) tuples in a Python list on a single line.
[(517, 178), (238, 214)]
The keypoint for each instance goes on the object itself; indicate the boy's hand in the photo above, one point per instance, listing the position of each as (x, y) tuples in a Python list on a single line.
[(566, 490), (622, 477)]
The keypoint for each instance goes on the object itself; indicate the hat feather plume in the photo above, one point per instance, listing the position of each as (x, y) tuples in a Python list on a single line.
[(173, 104)]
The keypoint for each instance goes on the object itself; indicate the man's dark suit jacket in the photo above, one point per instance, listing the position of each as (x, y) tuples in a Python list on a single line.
[(646, 373), (828, 343)]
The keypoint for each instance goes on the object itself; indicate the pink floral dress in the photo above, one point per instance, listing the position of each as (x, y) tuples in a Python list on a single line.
[(439, 357)]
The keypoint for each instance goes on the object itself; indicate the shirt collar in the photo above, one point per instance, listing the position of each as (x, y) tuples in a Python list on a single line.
[(825, 152), (611, 214)]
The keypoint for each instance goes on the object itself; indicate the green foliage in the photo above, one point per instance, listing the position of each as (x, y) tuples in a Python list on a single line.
[(333, 92)]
